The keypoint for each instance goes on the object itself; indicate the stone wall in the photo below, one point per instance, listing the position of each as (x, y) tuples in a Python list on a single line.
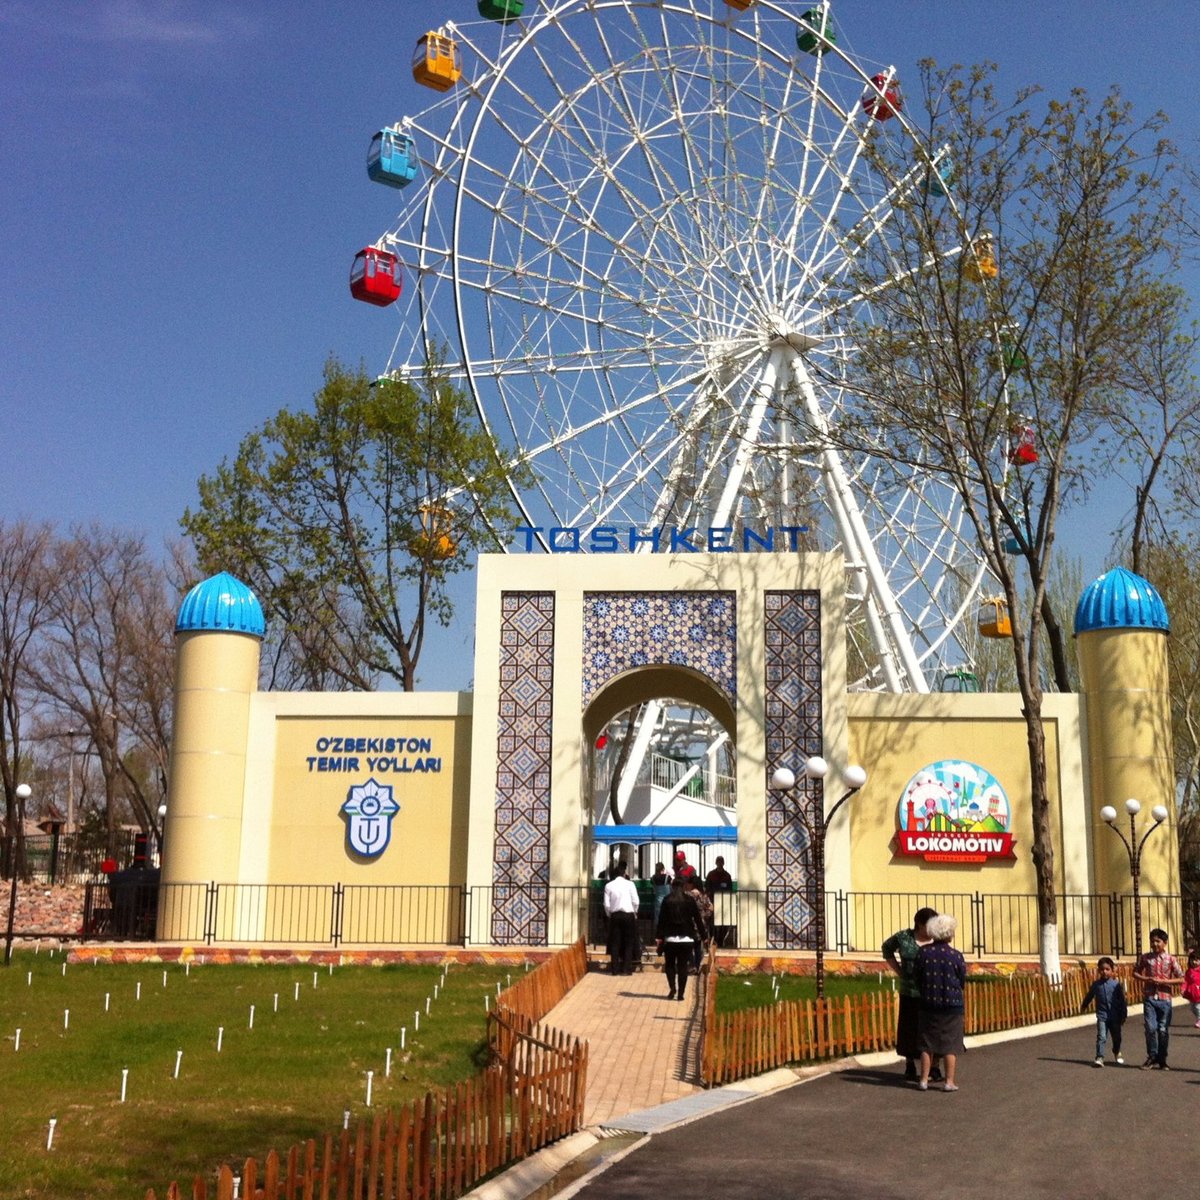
[(43, 909)]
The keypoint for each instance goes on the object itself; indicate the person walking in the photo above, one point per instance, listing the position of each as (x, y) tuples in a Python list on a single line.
[(660, 881), (900, 953), (941, 974), (1159, 973), (1191, 984), (678, 931), (704, 906), (621, 903), (1111, 1009)]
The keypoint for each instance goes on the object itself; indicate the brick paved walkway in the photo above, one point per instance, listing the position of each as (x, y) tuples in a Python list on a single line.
[(642, 1047)]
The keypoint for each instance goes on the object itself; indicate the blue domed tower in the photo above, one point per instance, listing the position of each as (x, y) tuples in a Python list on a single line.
[(1121, 626), (218, 635)]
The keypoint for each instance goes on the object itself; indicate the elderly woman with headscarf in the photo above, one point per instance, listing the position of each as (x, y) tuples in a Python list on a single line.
[(900, 951), (941, 974)]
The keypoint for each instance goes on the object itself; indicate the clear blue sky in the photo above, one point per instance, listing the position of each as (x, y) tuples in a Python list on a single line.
[(184, 188)]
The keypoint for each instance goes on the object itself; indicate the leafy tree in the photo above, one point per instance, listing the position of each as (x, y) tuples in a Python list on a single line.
[(999, 353), (348, 518)]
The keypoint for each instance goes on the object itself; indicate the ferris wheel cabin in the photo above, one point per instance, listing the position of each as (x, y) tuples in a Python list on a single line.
[(882, 100), (815, 33), (436, 540), (375, 276), (392, 158), (503, 11), (980, 263), (436, 61)]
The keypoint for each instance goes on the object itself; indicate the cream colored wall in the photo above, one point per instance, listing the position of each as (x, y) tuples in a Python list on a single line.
[(293, 831), (571, 577), (1124, 672), (215, 675), (895, 736)]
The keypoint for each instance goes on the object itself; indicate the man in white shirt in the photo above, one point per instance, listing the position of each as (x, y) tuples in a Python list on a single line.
[(621, 902)]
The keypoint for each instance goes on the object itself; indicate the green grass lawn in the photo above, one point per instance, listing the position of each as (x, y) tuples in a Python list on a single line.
[(735, 992), (290, 1077)]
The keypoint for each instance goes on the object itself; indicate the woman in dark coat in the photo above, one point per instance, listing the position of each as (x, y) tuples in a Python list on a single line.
[(941, 975), (680, 929), (900, 951)]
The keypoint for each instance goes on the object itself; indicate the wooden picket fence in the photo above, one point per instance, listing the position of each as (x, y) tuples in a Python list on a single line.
[(740, 1044), (439, 1148)]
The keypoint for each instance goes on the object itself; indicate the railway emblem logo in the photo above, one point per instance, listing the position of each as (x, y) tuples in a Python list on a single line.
[(369, 810), (954, 812)]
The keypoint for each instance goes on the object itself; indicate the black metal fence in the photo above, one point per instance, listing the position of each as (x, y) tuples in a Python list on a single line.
[(60, 858), (353, 915)]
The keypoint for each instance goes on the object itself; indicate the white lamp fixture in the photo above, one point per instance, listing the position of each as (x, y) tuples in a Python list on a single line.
[(783, 779), (816, 767), (854, 777)]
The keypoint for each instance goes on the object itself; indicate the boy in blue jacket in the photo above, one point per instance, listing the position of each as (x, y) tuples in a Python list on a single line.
[(1111, 1008)]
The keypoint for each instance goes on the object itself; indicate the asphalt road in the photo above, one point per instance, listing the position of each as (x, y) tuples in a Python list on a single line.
[(1033, 1118)]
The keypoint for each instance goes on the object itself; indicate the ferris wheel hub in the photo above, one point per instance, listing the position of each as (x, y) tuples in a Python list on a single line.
[(780, 334)]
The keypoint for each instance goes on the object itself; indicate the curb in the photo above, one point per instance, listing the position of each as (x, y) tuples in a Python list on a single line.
[(521, 1180)]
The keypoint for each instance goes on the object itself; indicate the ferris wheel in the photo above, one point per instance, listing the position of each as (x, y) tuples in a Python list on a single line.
[(635, 232)]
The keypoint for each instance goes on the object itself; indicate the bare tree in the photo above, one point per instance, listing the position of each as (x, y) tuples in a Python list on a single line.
[(1002, 323), (105, 665), (27, 590)]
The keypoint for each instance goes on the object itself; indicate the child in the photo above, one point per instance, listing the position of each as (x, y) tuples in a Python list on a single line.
[(1111, 1009), (1191, 984)]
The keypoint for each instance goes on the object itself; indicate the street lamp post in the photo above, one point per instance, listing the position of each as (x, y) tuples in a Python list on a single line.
[(23, 792), (1133, 847), (817, 823)]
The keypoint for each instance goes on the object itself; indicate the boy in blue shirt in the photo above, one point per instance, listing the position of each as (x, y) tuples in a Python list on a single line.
[(1111, 1008)]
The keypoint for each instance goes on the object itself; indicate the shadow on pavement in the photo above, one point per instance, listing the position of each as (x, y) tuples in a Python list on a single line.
[(890, 1079)]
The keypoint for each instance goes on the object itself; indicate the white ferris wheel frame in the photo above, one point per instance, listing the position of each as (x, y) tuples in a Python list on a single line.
[(438, 252)]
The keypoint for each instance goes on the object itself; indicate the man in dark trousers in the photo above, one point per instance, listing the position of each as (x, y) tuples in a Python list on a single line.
[(621, 902), (679, 932)]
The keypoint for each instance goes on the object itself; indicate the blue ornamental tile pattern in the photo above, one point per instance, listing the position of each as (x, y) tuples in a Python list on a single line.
[(521, 862), (792, 628), (623, 630)]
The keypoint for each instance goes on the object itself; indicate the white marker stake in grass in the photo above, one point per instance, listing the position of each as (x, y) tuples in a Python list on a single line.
[(331, 968), (370, 1085), (124, 1082), (314, 979), (252, 1016), (164, 979), (66, 1018), (50, 1135), (416, 1022), (139, 990), (276, 1008), (297, 994), (220, 1037), (427, 1006), (107, 998), (29, 979), (487, 1003), (346, 1119), (187, 968), (403, 1035), (497, 989), (17, 1042), (387, 1064), (178, 1060), (435, 991), (64, 970)]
